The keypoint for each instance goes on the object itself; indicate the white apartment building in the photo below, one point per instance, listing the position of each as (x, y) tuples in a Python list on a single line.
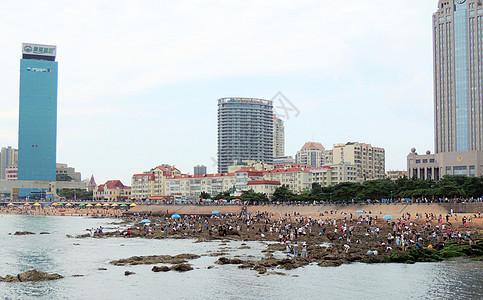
[(311, 154), (296, 179), (369, 161), (144, 186), (334, 174)]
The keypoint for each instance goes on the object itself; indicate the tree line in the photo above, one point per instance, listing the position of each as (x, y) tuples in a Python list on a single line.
[(451, 187)]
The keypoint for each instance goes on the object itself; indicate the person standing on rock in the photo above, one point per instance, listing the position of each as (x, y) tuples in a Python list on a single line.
[(288, 249), (304, 251), (296, 250)]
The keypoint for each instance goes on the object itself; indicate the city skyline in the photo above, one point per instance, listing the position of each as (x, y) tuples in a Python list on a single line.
[(368, 80)]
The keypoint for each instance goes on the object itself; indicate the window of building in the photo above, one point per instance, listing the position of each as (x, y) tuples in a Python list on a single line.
[(425, 161), (460, 170), (448, 170), (418, 161), (472, 171)]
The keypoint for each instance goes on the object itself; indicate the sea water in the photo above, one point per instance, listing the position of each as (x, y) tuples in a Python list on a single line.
[(79, 260)]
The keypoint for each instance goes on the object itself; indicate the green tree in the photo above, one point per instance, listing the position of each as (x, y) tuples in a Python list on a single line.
[(63, 177), (282, 194), (204, 195), (250, 195)]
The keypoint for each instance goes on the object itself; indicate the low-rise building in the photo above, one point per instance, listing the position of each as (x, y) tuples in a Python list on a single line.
[(11, 173), (334, 174), (436, 166), (65, 170), (396, 174), (191, 186), (143, 188), (112, 190), (296, 179)]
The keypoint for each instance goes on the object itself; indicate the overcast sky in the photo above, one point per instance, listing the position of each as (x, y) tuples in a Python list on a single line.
[(139, 80)]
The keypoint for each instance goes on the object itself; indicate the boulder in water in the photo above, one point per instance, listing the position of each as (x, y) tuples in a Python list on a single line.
[(23, 233), (182, 267), (34, 275), (160, 269)]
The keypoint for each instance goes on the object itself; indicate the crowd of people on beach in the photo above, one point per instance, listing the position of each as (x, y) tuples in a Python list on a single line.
[(338, 231)]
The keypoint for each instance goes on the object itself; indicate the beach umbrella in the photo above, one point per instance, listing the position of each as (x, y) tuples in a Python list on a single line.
[(82, 204), (123, 205), (36, 204), (215, 212), (61, 204), (89, 205), (175, 216), (98, 204), (10, 204), (132, 205), (54, 204), (388, 217), (360, 212), (107, 204), (145, 221), (26, 204), (237, 199), (208, 200), (114, 204), (220, 200), (68, 204)]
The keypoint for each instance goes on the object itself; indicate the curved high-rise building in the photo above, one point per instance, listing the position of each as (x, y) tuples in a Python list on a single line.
[(245, 131)]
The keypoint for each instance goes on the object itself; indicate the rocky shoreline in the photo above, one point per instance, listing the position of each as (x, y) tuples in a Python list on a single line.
[(328, 243)]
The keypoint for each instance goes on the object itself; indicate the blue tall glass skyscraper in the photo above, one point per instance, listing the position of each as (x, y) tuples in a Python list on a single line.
[(458, 75), (37, 132)]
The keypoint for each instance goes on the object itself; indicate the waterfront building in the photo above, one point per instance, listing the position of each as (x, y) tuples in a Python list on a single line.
[(8, 159), (92, 184), (63, 170), (278, 137), (334, 174), (190, 186), (458, 93), (199, 170), (142, 188), (11, 173), (296, 179), (369, 161), (311, 154), (245, 131), (37, 134), (458, 77), (112, 190)]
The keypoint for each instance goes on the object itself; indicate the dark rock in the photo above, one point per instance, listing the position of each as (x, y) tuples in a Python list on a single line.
[(34, 275), (44, 233), (77, 275), (11, 278), (218, 253), (154, 259), (210, 267), (228, 261), (182, 267), (127, 273), (260, 269), (247, 265), (102, 269), (245, 247), (160, 269), (23, 233)]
